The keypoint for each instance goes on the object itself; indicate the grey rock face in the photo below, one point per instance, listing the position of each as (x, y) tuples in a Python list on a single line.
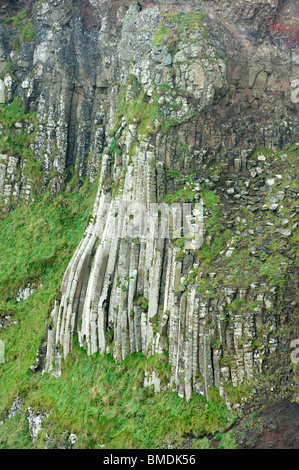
[(144, 109), (23, 293), (16, 407), (35, 420)]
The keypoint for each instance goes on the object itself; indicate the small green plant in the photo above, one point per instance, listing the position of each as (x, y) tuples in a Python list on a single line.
[(25, 29), (14, 44), (113, 146), (16, 21), (228, 441), (143, 302), (27, 32)]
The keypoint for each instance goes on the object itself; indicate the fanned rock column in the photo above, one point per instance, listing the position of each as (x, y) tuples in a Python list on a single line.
[(126, 290)]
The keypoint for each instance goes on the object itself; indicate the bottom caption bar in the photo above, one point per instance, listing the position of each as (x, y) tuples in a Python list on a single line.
[(150, 458)]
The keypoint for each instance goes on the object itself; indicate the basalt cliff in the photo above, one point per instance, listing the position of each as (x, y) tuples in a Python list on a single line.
[(130, 108)]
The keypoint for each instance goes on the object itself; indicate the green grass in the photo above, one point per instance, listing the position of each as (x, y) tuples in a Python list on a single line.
[(17, 20), (14, 433), (25, 29), (177, 27), (137, 109), (16, 142), (103, 403), (181, 195), (38, 242), (8, 68), (144, 111)]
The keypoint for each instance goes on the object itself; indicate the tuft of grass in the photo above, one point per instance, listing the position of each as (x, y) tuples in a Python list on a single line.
[(25, 29), (105, 405), (16, 141), (177, 26)]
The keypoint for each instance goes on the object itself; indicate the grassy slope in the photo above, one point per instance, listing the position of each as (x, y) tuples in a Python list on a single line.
[(36, 243), (99, 400), (105, 404)]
